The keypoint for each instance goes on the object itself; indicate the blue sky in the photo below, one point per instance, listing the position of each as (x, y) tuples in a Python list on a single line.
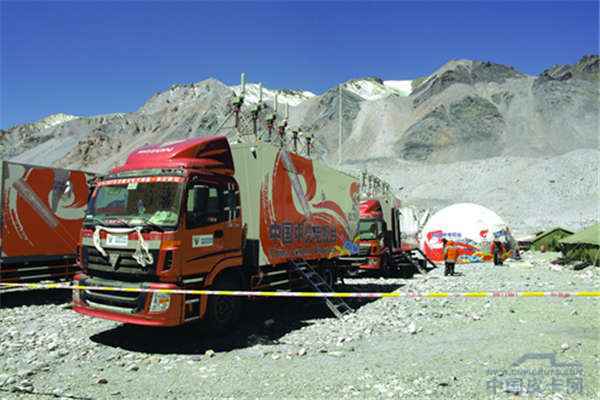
[(91, 58)]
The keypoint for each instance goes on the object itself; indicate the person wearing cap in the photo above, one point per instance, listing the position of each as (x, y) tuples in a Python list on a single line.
[(450, 256)]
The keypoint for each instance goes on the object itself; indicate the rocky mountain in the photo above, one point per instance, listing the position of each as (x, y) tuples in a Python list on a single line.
[(23, 137), (586, 69), (464, 110), (475, 110)]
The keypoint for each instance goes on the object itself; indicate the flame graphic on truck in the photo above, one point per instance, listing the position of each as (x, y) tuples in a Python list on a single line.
[(294, 222), (43, 209)]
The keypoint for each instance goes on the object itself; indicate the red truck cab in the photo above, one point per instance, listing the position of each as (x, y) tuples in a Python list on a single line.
[(153, 223), (381, 250), (373, 247)]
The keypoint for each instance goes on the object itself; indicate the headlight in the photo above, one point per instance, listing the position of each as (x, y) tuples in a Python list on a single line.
[(160, 302)]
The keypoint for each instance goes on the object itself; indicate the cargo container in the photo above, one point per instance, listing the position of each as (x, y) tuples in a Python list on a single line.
[(201, 214), (42, 215)]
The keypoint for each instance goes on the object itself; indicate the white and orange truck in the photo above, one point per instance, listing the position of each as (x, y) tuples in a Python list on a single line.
[(42, 215), (201, 214)]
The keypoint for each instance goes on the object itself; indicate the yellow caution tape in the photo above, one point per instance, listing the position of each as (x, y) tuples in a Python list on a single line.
[(431, 295)]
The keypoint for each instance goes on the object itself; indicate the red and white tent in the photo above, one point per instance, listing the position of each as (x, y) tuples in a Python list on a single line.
[(470, 226)]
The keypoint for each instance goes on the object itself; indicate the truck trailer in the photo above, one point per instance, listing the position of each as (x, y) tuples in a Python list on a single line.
[(42, 215), (201, 214)]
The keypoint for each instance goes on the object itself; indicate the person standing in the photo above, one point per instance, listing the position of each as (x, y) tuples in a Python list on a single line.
[(450, 256), (497, 249)]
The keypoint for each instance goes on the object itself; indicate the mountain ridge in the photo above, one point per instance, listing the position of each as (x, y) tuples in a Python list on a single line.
[(464, 110)]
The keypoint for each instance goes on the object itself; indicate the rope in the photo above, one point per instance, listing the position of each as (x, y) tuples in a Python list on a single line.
[(142, 255)]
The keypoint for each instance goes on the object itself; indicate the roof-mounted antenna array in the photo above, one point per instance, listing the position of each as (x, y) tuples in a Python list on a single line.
[(296, 134), (373, 186), (255, 111), (308, 137), (243, 127), (271, 119), (283, 125), (238, 101)]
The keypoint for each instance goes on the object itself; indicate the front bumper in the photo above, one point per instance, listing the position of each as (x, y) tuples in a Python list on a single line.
[(369, 263), (130, 307)]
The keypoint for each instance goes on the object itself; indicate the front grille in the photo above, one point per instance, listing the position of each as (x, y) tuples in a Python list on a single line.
[(124, 302), (94, 261), (364, 250)]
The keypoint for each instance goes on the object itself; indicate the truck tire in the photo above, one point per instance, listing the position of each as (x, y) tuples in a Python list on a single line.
[(387, 267), (407, 271), (223, 312)]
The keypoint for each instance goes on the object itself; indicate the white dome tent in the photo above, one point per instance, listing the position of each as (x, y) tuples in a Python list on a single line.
[(470, 226)]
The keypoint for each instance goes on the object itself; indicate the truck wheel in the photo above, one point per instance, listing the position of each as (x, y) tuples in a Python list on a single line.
[(223, 312), (407, 271), (387, 267)]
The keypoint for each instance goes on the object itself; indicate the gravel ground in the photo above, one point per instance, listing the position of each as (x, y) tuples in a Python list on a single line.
[(390, 348)]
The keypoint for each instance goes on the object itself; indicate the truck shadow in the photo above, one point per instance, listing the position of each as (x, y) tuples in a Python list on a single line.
[(265, 322), (33, 297)]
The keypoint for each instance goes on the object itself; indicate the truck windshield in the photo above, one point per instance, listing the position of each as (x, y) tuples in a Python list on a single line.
[(370, 229), (137, 203)]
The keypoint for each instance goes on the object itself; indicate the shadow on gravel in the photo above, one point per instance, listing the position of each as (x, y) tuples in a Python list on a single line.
[(33, 297), (265, 321)]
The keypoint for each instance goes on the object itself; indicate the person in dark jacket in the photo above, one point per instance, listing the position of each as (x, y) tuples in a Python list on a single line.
[(497, 249)]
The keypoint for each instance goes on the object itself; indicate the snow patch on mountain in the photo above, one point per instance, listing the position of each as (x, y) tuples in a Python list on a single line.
[(53, 120), (368, 89), (375, 88), (284, 96), (404, 88)]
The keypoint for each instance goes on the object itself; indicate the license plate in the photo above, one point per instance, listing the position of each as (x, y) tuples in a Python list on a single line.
[(117, 240)]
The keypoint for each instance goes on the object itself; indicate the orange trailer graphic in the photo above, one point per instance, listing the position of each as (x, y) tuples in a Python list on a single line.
[(42, 214)]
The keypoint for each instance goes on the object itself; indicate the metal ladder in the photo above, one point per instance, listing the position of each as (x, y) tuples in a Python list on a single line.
[(337, 306)]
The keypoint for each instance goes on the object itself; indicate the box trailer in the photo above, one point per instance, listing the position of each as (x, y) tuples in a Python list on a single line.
[(42, 215), (199, 214)]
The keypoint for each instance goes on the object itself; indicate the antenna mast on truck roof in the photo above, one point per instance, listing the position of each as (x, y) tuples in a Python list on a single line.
[(372, 185), (248, 123)]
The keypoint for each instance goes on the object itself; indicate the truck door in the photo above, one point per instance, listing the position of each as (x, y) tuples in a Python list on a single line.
[(205, 222), (233, 226)]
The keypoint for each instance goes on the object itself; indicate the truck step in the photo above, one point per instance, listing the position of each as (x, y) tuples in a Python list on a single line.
[(338, 307), (417, 250), (406, 258)]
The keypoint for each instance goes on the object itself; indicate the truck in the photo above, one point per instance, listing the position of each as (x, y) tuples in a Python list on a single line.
[(384, 249), (378, 235), (203, 214), (42, 215)]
